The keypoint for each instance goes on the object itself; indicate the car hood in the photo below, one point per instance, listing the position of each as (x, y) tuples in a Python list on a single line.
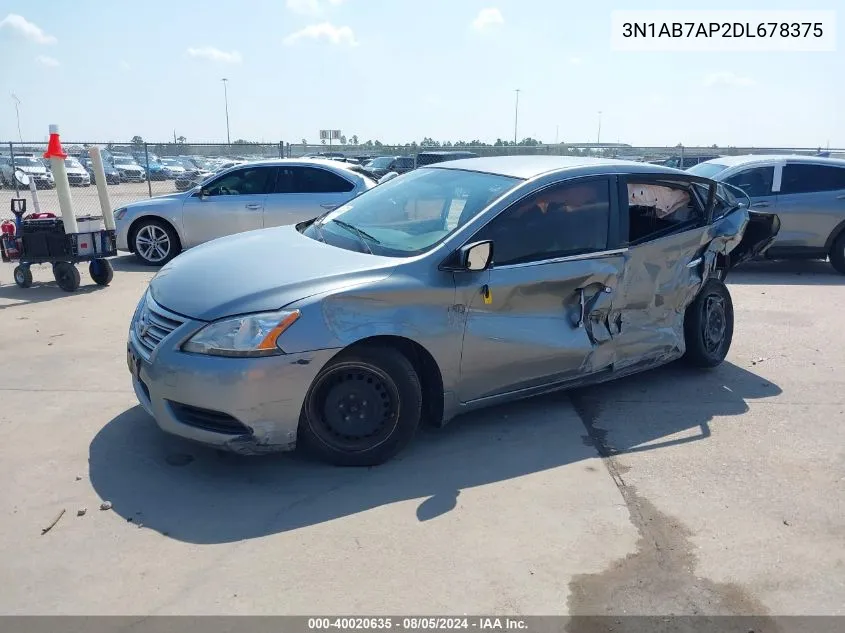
[(260, 271), (168, 199), (76, 170), (129, 167), (31, 170)]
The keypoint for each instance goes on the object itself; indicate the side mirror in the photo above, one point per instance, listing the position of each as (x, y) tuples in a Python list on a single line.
[(201, 193), (476, 257)]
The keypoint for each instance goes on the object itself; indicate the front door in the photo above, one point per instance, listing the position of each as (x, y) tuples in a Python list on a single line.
[(231, 203), (539, 316)]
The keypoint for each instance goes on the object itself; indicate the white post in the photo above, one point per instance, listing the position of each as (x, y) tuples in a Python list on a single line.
[(102, 187), (63, 189), (32, 190)]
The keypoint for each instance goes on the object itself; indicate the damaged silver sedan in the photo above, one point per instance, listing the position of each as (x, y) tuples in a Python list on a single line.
[(452, 287)]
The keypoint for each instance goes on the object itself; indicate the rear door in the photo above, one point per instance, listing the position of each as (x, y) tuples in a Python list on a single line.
[(665, 224), (234, 203), (539, 316), (304, 192), (810, 205)]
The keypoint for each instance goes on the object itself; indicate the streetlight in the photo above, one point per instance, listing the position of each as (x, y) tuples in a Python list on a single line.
[(516, 116), (598, 136), (18, 114), (226, 100)]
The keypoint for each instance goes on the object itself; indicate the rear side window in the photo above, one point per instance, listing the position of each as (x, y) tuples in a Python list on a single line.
[(310, 180), (755, 182), (808, 178), (659, 209)]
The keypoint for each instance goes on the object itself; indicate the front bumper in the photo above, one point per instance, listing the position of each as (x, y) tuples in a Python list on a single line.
[(244, 405)]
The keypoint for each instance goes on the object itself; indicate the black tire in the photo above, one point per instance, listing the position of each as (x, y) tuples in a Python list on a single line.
[(101, 271), (23, 276), (381, 387), (837, 254), (709, 325), (67, 276), (149, 230)]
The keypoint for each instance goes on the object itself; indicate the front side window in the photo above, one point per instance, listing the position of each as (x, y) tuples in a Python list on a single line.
[(241, 182), (659, 209), (310, 180), (808, 178), (563, 220), (756, 182), (411, 213)]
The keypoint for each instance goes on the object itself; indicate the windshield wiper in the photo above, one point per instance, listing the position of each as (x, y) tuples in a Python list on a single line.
[(362, 235)]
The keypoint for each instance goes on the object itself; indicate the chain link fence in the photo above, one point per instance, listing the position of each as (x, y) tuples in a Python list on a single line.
[(139, 170)]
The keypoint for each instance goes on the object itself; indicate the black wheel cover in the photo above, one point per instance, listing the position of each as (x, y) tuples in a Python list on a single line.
[(353, 407), (714, 324)]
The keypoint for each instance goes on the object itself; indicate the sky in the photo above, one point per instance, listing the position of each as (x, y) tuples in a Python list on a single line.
[(399, 71)]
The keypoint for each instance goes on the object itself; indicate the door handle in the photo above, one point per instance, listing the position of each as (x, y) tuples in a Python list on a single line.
[(253, 207), (583, 303), (760, 204)]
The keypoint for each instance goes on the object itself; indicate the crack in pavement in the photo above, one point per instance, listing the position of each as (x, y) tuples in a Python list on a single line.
[(659, 577)]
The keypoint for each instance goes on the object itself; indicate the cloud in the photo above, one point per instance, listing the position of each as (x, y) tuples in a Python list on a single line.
[(728, 79), (49, 62), (215, 55), (325, 30), (575, 61), (124, 65), (487, 18), (311, 7), (30, 31)]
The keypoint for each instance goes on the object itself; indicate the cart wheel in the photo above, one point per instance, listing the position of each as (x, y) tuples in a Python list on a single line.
[(23, 276), (66, 276), (101, 271)]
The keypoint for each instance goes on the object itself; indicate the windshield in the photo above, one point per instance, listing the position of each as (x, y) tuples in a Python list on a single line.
[(380, 163), (26, 161), (72, 162), (409, 214), (707, 170)]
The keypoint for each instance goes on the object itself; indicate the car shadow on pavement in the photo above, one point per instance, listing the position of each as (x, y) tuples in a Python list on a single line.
[(199, 495), (130, 263), (810, 272)]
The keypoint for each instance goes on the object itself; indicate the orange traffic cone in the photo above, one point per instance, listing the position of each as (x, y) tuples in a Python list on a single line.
[(54, 146)]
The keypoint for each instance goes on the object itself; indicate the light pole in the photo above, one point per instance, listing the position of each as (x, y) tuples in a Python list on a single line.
[(226, 101), (18, 114), (598, 136), (516, 116)]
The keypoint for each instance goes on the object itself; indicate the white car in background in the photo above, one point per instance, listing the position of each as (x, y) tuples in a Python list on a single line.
[(241, 198)]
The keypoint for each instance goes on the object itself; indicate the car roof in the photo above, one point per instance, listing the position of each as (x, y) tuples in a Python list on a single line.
[(527, 167), (749, 159), (324, 162)]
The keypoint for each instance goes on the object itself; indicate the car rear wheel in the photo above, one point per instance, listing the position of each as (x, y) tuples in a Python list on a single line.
[(363, 408), (709, 325), (155, 242), (837, 253)]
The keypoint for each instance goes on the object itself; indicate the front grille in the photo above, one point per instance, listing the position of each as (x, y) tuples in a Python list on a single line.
[(208, 420), (153, 324)]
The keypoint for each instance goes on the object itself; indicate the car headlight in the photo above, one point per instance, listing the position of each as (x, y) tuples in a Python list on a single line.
[(247, 335), (120, 213)]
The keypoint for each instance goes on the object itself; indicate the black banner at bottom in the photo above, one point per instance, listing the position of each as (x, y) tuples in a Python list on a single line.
[(422, 624)]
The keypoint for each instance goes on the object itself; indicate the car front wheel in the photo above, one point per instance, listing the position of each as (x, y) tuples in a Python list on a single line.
[(155, 242), (363, 407), (709, 325)]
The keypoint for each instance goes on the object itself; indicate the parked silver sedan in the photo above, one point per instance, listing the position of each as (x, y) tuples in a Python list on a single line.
[(452, 287), (806, 192), (241, 198)]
